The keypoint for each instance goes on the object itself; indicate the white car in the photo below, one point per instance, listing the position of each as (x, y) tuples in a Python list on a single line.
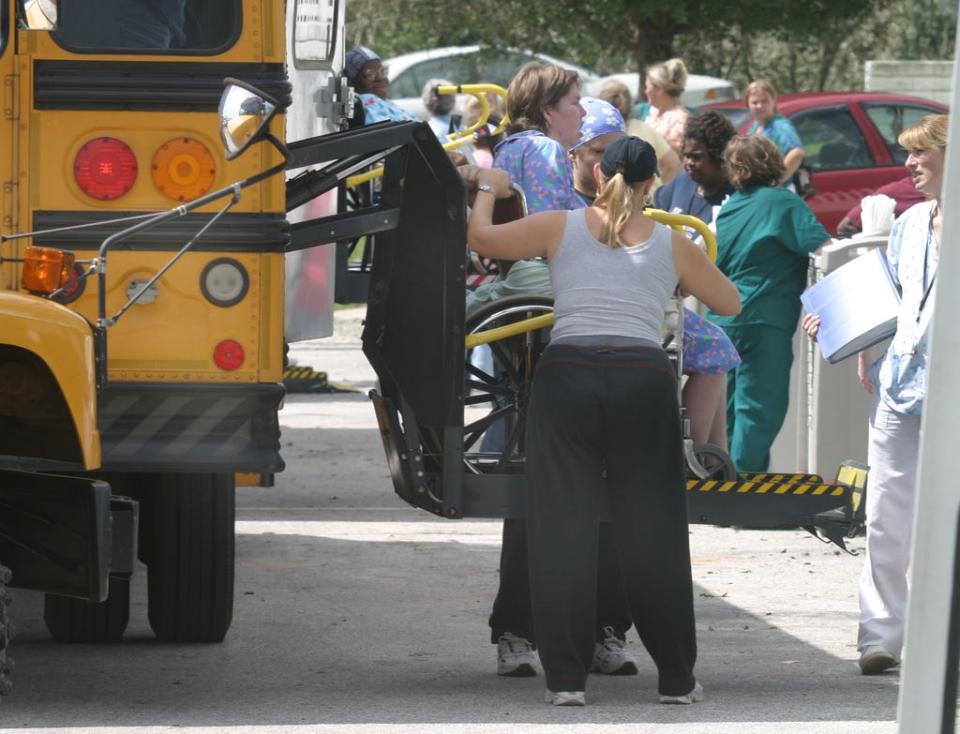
[(699, 90), (461, 65)]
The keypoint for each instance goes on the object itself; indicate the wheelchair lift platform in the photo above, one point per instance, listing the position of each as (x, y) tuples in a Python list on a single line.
[(433, 403)]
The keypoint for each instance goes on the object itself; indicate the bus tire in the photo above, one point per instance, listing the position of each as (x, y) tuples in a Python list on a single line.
[(6, 634), (76, 620), (187, 542)]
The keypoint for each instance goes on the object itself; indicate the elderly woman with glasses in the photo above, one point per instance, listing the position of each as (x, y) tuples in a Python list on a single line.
[(367, 74)]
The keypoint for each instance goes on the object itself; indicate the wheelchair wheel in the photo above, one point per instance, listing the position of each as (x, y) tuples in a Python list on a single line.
[(715, 462), (498, 379)]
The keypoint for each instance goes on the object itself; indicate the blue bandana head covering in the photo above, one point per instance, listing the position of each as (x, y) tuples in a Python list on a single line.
[(601, 118), (356, 58)]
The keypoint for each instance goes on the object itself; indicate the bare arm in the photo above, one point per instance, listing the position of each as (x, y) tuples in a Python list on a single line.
[(792, 161), (538, 235), (701, 278)]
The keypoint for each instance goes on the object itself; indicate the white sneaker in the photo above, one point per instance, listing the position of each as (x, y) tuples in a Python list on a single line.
[(566, 698), (874, 660), (515, 656), (695, 696), (610, 657)]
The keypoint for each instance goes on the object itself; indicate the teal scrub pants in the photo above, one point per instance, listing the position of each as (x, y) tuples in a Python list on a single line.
[(758, 393)]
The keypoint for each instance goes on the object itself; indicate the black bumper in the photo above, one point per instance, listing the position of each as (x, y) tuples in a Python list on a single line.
[(160, 427)]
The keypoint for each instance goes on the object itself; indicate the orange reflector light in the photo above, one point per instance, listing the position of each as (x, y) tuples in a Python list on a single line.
[(105, 168), (228, 355), (183, 169), (45, 269)]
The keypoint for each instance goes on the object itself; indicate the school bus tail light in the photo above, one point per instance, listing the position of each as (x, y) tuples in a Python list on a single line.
[(46, 269), (105, 168), (183, 169), (228, 355)]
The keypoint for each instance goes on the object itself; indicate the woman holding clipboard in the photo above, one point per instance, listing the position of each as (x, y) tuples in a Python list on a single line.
[(897, 380)]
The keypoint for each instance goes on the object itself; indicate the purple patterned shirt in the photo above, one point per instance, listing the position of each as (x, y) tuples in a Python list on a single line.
[(541, 167)]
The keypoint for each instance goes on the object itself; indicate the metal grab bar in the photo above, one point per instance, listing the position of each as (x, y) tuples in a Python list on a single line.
[(460, 138), (676, 221)]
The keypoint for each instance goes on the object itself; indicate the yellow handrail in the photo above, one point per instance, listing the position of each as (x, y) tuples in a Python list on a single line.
[(677, 221), (460, 138), (503, 332)]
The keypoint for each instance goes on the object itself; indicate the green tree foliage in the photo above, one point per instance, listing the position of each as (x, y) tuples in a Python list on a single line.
[(799, 45)]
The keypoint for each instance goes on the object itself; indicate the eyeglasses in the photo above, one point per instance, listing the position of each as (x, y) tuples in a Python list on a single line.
[(377, 72)]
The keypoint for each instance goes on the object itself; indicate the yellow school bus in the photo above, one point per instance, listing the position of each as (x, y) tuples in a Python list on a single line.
[(161, 372)]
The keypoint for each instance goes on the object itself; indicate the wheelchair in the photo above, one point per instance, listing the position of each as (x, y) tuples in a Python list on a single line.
[(499, 393)]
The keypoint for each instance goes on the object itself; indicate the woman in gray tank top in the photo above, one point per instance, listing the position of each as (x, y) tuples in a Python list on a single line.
[(604, 402)]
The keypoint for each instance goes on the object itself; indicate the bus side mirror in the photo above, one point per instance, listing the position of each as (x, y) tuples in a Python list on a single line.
[(38, 15), (245, 114)]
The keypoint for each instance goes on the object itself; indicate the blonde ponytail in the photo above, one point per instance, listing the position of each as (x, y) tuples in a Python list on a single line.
[(617, 197)]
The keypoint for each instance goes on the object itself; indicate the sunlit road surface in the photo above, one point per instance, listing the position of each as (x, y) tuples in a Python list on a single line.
[(356, 613)]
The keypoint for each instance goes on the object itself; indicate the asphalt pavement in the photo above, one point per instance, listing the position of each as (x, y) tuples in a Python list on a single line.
[(357, 613)]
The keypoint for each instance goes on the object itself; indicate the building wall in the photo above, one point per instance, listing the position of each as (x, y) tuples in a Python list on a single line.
[(929, 79)]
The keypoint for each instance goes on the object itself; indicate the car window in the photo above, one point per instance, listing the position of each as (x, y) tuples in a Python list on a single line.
[(457, 69), (831, 139), (893, 119)]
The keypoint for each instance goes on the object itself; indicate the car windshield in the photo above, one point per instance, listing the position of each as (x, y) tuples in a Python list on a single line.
[(99, 26)]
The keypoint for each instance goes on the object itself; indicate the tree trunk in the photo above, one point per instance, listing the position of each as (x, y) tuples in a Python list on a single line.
[(653, 41)]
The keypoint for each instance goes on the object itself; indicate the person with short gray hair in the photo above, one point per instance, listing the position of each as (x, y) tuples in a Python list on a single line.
[(441, 117)]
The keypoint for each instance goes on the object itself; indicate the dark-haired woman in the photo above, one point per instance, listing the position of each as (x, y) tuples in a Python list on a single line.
[(708, 354), (765, 235), (604, 399)]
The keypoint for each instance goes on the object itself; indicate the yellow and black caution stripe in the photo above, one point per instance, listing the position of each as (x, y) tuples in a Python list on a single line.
[(307, 379), (303, 373), (815, 489), (771, 477)]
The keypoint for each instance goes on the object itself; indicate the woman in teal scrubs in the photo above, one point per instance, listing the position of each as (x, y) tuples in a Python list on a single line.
[(764, 237)]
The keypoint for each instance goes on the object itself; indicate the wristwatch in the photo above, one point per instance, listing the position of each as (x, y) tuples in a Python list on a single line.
[(486, 187)]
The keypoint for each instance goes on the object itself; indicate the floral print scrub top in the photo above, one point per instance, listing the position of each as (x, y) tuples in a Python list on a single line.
[(541, 167)]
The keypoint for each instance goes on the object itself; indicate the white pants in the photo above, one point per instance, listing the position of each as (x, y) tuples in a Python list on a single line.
[(892, 454)]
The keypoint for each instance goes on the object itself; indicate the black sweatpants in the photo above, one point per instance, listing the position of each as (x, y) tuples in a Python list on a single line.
[(511, 608), (615, 408)]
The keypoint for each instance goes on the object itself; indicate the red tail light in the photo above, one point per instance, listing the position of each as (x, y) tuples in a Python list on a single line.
[(105, 168), (228, 355)]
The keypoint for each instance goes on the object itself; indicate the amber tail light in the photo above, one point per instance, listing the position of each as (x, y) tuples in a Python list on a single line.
[(46, 269)]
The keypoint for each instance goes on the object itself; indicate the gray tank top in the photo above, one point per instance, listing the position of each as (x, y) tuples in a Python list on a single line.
[(600, 291)]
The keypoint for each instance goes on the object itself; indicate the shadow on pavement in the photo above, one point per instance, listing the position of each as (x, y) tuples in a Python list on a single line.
[(390, 628)]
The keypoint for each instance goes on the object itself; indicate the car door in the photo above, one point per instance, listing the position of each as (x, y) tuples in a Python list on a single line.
[(844, 166)]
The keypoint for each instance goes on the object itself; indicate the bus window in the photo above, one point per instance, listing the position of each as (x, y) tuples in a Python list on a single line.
[(3, 28), (122, 26)]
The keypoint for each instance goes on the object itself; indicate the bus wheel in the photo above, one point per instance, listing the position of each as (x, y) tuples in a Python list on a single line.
[(76, 620), (6, 632), (187, 542)]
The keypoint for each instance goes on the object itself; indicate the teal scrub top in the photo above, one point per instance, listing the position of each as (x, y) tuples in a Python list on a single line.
[(764, 237)]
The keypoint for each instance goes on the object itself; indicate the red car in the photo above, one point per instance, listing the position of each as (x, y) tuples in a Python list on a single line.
[(850, 139)]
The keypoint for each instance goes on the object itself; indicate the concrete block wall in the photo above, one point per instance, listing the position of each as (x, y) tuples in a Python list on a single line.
[(929, 79)]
